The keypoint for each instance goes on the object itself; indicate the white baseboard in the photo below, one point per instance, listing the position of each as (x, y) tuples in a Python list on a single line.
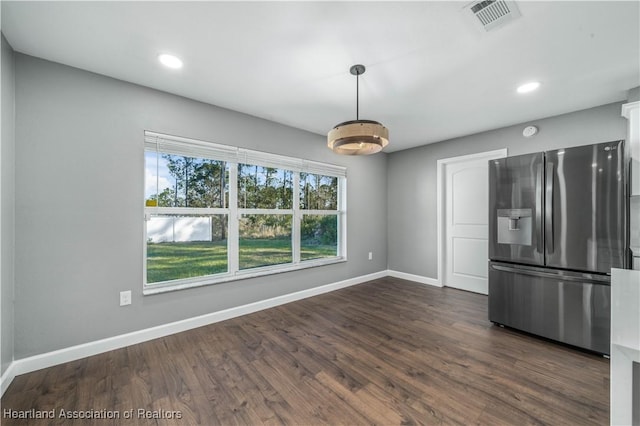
[(416, 278), (49, 359)]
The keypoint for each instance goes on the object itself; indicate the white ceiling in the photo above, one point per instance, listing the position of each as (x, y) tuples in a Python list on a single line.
[(431, 74)]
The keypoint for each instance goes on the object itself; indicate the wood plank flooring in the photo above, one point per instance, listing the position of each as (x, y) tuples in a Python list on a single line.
[(385, 352)]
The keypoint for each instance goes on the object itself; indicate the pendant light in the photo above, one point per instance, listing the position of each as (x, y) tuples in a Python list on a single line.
[(358, 137)]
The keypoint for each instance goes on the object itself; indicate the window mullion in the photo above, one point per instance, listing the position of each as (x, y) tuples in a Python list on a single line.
[(242, 211), (322, 212), (297, 218), (233, 240), (186, 210)]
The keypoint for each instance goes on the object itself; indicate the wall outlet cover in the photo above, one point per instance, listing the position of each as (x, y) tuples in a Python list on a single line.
[(125, 298)]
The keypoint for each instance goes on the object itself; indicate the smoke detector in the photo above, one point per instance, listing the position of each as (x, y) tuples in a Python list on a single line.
[(489, 15)]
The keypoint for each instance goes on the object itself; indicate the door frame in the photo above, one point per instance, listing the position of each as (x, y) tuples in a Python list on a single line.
[(441, 194)]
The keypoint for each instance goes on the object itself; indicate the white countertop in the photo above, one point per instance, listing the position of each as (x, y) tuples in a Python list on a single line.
[(625, 308), (625, 341)]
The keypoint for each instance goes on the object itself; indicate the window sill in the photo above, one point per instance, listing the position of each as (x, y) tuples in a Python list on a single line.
[(186, 283)]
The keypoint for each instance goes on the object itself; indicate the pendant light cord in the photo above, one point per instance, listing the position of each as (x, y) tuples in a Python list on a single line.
[(358, 96)]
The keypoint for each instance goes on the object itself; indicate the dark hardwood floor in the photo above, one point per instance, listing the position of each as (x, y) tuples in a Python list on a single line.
[(384, 352)]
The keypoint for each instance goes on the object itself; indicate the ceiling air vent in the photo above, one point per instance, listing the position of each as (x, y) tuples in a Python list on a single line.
[(492, 14)]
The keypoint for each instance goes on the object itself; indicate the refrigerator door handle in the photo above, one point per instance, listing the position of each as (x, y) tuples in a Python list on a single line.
[(562, 277), (548, 209), (540, 232)]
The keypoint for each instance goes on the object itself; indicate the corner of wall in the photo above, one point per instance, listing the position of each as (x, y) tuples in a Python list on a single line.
[(7, 213)]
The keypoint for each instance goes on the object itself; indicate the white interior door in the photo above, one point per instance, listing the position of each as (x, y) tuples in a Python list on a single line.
[(466, 227)]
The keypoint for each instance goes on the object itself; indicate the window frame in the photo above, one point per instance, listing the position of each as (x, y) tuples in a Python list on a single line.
[(233, 156)]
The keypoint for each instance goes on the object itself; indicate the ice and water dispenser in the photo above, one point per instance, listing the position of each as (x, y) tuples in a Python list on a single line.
[(514, 226)]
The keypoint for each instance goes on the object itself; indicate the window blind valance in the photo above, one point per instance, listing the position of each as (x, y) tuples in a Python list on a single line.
[(178, 145)]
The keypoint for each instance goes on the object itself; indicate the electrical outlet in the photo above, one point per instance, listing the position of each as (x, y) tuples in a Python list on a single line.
[(125, 298), (370, 255)]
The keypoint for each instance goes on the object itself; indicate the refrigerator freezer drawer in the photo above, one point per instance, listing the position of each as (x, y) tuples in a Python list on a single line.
[(573, 309)]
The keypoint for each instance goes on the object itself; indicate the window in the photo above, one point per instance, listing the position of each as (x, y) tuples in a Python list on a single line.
[(216, 213), (319, 205), (265, 204)]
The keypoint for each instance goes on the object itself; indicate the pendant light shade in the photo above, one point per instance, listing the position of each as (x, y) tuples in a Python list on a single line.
[(358, 137)]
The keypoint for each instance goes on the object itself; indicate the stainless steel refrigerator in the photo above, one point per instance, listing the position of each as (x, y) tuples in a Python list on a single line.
[(557, 225)]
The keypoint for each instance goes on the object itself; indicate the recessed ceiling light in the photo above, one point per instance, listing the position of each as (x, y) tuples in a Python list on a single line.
[(529, 87), (170, 61)]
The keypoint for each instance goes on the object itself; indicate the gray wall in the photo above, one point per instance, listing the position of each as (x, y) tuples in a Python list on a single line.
[(7, 203), (411, 175), (79, 198)]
